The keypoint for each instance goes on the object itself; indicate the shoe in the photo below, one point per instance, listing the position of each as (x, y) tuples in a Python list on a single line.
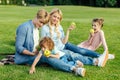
[(111, 56), (1, 63), (79, 64), (80, 71), (103, 59)]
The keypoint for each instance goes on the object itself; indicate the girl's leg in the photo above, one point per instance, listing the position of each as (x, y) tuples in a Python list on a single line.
[(82, 51)]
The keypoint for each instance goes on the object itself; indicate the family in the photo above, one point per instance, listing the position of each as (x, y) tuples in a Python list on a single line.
[(64, 55)]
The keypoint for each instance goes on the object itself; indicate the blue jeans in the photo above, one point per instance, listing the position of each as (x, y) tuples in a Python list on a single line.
[(75, 56), (54, 62), (82, 51), (67, 60)]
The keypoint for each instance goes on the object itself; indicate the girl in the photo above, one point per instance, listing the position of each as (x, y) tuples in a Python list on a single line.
[(96, 38), (47, 44)]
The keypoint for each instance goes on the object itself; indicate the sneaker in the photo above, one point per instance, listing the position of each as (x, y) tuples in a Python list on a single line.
[(103, 59), (1, 63), (80, 71), (79, 64), (111, 56)]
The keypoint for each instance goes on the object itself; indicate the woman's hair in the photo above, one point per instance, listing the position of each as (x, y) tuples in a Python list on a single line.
[(99, 20), (43, 14), (46, 41), (58, 24)]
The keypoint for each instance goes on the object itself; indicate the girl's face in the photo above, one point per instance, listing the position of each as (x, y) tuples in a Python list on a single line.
[(39, 23), (96, 26), (55, 18)]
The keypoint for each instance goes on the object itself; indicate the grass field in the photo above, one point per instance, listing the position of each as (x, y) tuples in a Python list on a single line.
[(12, 16)]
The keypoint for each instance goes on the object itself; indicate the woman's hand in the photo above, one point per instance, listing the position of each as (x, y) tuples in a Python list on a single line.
[(72, 27)]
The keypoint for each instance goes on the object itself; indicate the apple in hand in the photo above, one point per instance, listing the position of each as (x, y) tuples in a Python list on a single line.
[(47, 53), (91, 30)]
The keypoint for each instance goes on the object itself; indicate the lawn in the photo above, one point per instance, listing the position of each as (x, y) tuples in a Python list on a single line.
[(12, 16)]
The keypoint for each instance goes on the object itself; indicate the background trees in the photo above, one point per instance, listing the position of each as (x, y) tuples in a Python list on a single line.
[(97, 3)]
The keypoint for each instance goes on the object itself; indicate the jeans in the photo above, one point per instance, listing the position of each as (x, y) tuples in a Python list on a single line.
[(75, 56), (66, 60), (54, 62), (82, 51)]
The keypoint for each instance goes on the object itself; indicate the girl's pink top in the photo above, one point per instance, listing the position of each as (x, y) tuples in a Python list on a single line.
[(94, 41)]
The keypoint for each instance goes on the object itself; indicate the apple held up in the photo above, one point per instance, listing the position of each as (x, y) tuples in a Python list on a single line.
[(92, 31), (73, 24)]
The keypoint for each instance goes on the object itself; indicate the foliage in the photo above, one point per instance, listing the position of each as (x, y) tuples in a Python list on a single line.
[(100, 3), (106, 3), (112, 2)]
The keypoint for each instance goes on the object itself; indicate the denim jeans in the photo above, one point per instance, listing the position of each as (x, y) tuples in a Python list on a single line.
[(54, 62), (82, 51), (66, 60), (75, 56)]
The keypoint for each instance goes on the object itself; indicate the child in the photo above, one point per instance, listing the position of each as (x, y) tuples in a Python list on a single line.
[(96, 38), (47, 44)]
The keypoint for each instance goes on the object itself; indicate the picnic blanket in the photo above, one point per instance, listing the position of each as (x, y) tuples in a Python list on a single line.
[(9, 59)]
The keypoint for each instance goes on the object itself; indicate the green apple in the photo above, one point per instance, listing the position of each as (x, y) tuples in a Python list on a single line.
[(91, 30), (73, 24), (47, 53)]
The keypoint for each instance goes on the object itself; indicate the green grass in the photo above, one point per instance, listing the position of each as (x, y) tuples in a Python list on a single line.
[(12, 16)]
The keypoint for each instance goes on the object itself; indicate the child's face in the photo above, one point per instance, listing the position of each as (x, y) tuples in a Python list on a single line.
[(45, 47), (96, 26), (55, 18)]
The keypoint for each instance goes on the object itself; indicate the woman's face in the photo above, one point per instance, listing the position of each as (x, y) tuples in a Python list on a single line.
[(96, 26), (54, 18)]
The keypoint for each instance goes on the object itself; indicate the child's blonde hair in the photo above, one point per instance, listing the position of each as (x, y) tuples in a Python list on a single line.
[(46, 41), (56, 10), (99, 20)]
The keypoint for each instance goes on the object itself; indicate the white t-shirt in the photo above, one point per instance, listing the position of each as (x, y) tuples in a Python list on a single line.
[(35, 37)]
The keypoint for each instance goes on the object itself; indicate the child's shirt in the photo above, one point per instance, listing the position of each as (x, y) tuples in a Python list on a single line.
[(96, 41), (55, 50)]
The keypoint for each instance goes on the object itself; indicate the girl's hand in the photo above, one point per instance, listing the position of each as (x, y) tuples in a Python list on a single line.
[(32, 70), (91, 34)]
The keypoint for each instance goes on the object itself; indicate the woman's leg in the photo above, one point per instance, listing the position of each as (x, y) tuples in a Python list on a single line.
[(75, 56), (82, 51)]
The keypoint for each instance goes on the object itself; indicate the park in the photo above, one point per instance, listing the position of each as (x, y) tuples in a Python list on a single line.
[(12, 15)]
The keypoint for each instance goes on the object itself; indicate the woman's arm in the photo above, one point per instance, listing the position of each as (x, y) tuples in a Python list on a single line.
[(65, 40), (32, 69)]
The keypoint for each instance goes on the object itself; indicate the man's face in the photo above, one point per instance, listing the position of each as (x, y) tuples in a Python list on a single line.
[(39, 23)]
